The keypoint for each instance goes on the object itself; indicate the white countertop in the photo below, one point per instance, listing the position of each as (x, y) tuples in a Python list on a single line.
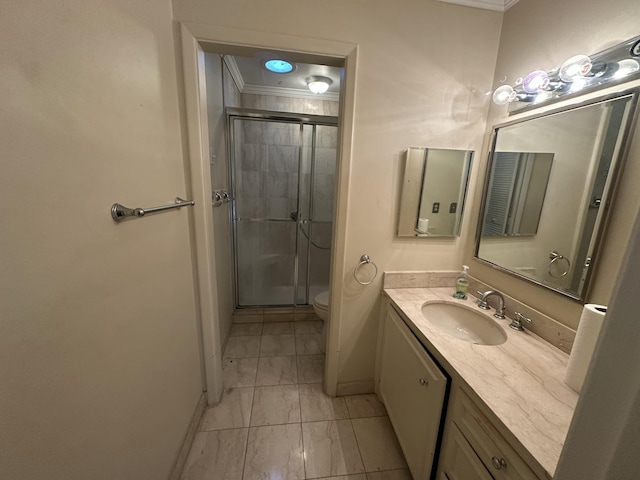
[(520, 381)]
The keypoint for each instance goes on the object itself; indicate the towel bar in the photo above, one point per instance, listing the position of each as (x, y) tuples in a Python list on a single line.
[(118, 212)]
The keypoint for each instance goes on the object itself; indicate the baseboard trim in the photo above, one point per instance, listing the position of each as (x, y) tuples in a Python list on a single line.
[(354, 388), (181, 459)]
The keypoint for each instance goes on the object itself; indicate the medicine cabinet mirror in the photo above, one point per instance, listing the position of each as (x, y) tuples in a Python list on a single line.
[(548, 190), (433, 192)]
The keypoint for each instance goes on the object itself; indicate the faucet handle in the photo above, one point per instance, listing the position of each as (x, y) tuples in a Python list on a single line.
[(482, 301), (518, 320)]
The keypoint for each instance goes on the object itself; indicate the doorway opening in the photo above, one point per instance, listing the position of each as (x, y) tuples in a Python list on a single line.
[(212, 253)]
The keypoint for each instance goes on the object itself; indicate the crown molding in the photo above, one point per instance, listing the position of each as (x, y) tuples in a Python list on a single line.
[(231, 64), (278, 91), (496, 5), (289, 92)]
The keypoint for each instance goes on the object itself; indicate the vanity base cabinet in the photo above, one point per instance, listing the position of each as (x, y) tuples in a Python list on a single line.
[(412, 388), (474, 449), (460, 462)]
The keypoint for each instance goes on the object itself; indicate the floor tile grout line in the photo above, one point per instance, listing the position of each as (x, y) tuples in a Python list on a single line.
[(364, 467), (304, 457), (246, 447)]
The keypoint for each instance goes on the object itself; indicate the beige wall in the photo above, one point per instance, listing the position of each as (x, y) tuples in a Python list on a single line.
[(99, 360), (423, 70), (542, 34)]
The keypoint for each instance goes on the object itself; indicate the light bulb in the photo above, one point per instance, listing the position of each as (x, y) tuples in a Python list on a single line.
[(626, 67), (504, 95), (535, 81), (319, 85), (575, 67)]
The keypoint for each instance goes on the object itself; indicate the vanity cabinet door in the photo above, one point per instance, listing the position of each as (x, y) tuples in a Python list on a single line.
[(459, 459), (412, 387), (499, 458)]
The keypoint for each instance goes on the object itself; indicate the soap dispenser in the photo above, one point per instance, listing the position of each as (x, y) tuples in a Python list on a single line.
[(462, 284)]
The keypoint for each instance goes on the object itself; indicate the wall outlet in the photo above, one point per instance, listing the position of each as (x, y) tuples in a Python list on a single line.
[(436, 207), (453, 207)]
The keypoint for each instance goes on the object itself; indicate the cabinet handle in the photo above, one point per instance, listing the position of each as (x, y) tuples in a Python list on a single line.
[(424, 382), (498, 463)]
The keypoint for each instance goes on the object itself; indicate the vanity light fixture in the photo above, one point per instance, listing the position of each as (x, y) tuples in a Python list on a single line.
[(319, 84), (575, 68), (279, 66), (504, 95), (536, 81), (626, 67), (577, 73)]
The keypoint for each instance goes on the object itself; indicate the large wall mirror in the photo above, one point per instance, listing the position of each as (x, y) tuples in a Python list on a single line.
[(433, 192), (549, 186)]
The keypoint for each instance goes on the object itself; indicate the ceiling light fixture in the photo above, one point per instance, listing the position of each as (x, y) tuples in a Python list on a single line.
[(278, 66), (318, 84)]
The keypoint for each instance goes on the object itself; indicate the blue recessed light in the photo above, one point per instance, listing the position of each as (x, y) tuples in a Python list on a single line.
[(278, 66)]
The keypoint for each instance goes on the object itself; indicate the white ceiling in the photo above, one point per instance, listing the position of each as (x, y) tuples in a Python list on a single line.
[(251, 77)]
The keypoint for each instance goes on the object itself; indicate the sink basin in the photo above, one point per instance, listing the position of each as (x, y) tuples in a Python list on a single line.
[(464, 323)]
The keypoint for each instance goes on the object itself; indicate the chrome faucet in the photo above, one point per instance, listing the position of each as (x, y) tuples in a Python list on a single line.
[(517, 321), (484, 304)]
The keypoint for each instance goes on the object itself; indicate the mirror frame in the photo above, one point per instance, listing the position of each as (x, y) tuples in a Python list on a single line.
[(598, 235)]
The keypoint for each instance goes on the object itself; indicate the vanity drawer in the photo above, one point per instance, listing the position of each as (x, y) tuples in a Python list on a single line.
[(494, 451)]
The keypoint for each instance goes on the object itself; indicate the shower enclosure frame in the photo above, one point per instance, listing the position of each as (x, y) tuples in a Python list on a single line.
[(238, 113)]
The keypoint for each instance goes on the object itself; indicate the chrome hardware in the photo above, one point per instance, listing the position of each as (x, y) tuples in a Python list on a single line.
[(424, 382), (498, 463), (484, 304), (517, 321), (118, 212), (555, 257), (364, 260), (220, 197)]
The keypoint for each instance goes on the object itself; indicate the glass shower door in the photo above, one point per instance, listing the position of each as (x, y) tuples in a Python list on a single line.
[(317, 180), (265, 171), (283, 176)]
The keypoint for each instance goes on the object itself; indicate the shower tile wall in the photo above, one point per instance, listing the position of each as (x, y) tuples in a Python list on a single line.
[(267, 177)]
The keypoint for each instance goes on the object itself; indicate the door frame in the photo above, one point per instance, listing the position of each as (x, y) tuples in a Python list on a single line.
[(195, 38)]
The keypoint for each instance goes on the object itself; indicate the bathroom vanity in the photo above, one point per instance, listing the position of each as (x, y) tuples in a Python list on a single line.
[(472, 411)]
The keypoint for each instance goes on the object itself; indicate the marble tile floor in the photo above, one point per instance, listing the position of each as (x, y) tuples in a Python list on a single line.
[(275, 423)]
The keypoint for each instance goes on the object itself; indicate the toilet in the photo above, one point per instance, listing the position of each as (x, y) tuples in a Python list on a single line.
[(321, 307)]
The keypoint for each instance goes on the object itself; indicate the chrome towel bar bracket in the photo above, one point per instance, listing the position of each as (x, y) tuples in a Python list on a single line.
[(119, 212)]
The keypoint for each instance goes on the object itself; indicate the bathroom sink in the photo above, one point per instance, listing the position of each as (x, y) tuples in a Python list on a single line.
[(464, 323)]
